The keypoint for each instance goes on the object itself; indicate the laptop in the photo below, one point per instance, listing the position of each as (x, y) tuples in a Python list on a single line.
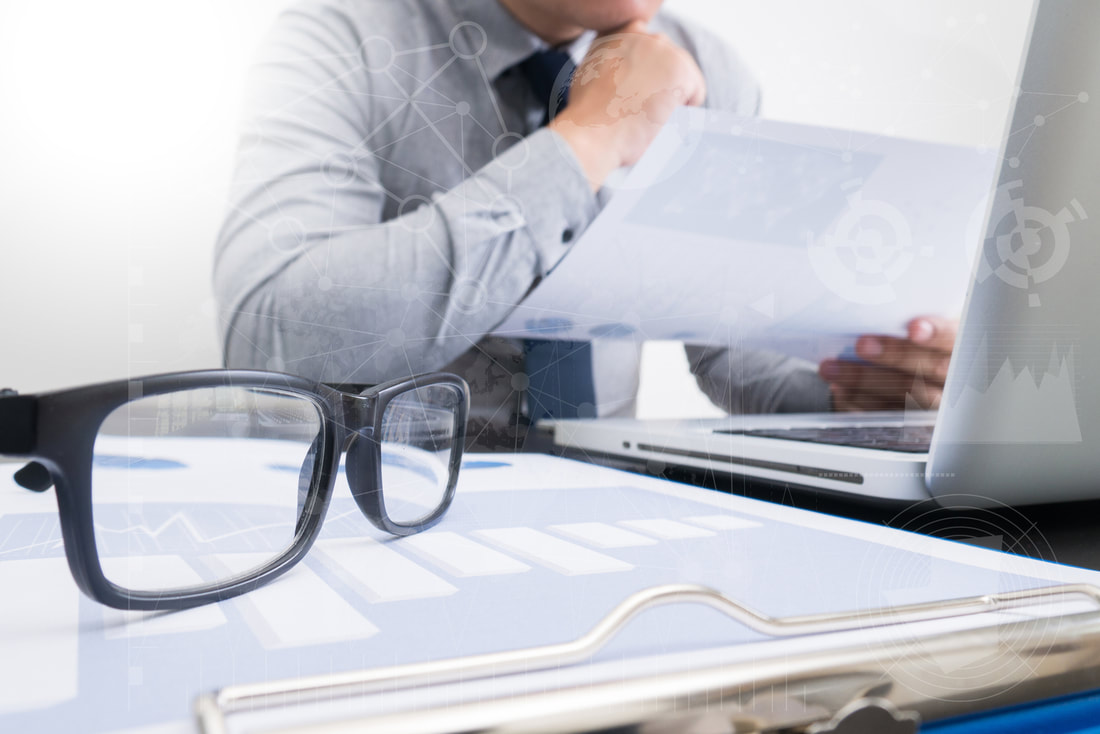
[(1019, 422)]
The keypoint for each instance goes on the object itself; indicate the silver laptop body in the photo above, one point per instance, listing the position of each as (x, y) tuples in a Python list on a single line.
[(1020, 418)]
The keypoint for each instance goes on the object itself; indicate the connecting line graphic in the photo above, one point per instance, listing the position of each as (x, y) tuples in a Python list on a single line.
[(181, 520)]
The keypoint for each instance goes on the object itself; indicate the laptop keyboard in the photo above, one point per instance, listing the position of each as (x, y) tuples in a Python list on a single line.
[(910, 439)]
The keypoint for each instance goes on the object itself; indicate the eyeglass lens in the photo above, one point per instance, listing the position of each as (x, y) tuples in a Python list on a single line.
[(195, 487), (418, 440)]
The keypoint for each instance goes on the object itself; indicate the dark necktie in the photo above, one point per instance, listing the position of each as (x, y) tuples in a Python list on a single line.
[(542, 70), (559, 372)]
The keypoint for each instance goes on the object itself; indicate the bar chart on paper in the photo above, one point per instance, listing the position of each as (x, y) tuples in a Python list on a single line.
[(535, 550)]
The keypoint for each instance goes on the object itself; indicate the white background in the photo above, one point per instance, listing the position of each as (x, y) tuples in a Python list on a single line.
[(117, 133)]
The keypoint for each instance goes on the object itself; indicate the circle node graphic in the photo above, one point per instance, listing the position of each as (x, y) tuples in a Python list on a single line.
[(1040, 120), (339, 169), (416, 213), (1014, 162), (507, 141), (463, 108), (1083, 97), (520, 381), (378, 54), (324, 283), (395, 337), (410, 292), (468, 40), (287, 235), (470, 296)]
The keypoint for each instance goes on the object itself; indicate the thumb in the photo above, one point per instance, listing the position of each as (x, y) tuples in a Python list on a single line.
[(699, 94), (933, 332)]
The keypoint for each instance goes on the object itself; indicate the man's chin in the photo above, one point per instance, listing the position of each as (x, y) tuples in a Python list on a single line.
[(607, 19)]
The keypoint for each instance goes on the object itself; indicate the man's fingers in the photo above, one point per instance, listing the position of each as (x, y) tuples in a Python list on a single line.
[(933, 332), (845, 401), (896, 373), (868, 387), (905, 356), (866, 379)]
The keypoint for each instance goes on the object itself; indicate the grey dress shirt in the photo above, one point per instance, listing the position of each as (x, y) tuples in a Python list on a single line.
[(395, 197)]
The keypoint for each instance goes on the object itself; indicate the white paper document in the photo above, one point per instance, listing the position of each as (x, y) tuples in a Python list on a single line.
[(741, 229), (535, 550)]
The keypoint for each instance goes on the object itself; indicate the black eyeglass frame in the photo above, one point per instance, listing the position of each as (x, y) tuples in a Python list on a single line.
[(59, 429)]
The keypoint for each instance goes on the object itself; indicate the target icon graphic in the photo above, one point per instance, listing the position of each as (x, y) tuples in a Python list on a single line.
[(1027, 245), (870, 249)]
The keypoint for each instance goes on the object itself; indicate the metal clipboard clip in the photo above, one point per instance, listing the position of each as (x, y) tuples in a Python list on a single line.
[(853, 689)]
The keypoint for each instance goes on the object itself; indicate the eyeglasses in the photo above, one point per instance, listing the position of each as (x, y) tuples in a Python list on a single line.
[(183, 489)]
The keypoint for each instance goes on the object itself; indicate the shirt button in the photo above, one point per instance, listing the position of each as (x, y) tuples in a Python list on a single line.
[(567, 236)]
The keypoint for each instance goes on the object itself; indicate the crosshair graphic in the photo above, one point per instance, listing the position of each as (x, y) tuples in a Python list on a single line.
[(1027, 245), (899, 574), (870, 249)]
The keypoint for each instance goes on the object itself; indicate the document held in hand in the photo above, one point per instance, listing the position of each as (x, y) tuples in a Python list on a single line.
[(797, 237)]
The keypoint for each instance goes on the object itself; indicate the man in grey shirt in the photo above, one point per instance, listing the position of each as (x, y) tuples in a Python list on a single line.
[(397, 193)]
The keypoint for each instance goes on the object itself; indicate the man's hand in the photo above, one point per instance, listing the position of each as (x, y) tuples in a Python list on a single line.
[(623, 93), (895, 368)]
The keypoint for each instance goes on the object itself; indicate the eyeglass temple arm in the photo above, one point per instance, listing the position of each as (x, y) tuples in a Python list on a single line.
[(18, 419)]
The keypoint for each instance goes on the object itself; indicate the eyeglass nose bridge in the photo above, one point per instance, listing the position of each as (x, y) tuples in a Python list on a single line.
[(362, 454), (363, 469), (356, 416)]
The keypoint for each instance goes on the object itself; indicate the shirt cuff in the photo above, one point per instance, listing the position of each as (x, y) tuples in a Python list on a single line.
[(553, 192)]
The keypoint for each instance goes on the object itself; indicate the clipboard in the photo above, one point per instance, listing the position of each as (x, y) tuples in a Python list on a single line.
[(541, 568), (852, 689)]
